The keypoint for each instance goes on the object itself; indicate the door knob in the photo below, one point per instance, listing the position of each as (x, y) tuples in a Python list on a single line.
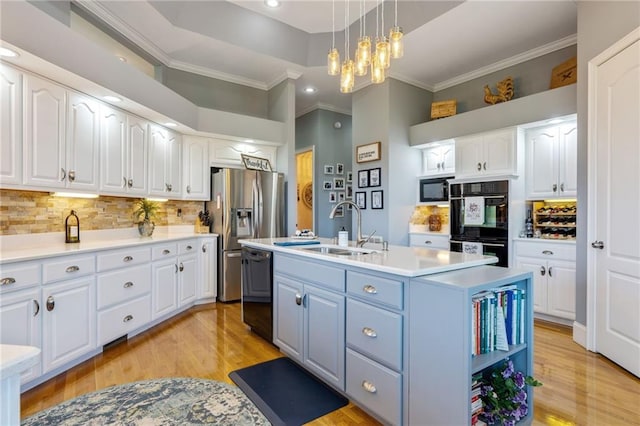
[(597, 244)]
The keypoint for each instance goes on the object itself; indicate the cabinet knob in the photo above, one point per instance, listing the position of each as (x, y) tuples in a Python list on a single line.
[(479, 167), (169, 187), (484, 165), (63, 174), (128, 284), (369, 332), (542, 270), (130, 183), (554, 187), (165, 251), (127, 318), (298, 299), (36, 307), (73, 268), (369, 387), (370, 289), (188, 189), (124, 182), (550, 271), (204, 248), (438, 166), (72, 175), (181, 267), (7, 281), (50, 303), (562, 187)]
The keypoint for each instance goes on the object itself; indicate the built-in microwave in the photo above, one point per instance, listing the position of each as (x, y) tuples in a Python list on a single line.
[(434, 189)]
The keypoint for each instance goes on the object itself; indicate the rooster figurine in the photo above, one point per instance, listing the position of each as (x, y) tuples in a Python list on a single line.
[(505, 92)]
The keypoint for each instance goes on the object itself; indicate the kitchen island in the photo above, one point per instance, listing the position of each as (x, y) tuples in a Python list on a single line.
[(392, 330)]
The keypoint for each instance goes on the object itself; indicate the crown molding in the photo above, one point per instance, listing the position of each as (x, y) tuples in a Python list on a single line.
[(323, 106), (208, 72), (287, 75)]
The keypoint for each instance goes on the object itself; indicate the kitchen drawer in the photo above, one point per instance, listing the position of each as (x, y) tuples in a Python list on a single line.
[(375, 332), (163, 251), (125, 257), (326, 276), (187, 247), (545, 250), (429, 241), (122, 285), (123, 319), (384, 291), (17, 276), (375, 387), (69, 267)]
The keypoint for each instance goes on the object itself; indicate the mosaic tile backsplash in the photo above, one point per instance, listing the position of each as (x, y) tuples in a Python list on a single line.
[(30, 212)]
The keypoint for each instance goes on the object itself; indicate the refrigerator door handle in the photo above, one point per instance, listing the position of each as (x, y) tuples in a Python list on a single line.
[(254, 199), (260, 212)]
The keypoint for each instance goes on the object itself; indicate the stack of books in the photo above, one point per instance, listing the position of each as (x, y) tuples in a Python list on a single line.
[(477, 407), (497, 319)]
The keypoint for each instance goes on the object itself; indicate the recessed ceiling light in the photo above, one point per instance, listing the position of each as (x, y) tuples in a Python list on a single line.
[(122, 58), (272, 3), (112, 98), (8, 53), (310, 89), (170, 124), (249, 140)]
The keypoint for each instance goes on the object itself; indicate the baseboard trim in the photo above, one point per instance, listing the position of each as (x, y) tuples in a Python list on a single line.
[(580, 334)]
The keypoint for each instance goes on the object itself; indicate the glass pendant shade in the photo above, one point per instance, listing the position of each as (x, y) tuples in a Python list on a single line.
[(333, 62), (363, 53), (377, 72), (347, 77), (383, 52), (397, 45), (361, 68)]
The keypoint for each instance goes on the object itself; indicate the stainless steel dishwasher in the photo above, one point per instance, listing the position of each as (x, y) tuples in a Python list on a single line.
[(257, 291)]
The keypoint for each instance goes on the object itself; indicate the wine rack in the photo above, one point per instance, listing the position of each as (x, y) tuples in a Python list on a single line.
[(554, 220)]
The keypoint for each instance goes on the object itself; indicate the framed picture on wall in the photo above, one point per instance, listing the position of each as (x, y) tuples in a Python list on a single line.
[(349, 176), (338, 183), (361, 200), (341, 196), (339, 169), (332, 197), (328, 169), (374, 177), (376, 200), (349, 191), (327, 185), (339, 212), (363, 179)]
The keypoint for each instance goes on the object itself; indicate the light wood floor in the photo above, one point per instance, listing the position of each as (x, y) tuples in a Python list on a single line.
[(210, 341)]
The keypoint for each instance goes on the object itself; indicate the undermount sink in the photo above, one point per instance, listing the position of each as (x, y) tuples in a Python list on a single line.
[(338, 251)]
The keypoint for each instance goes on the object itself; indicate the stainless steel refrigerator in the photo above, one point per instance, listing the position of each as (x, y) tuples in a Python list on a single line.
[(243, 204)]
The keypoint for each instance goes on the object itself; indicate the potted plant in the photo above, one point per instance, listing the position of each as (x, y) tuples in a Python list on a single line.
[(145, 212)]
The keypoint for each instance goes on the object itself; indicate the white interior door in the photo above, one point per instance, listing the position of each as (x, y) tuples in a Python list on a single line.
[(614, 200)]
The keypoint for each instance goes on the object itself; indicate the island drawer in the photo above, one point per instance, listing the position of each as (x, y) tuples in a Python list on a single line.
[(125, 257), (18, 276), (375, 387), (122, 285), (429, 241), (324, 275), (187, 247), (375, 332), (163, 251), (64, 268), (381, 290), (123, 319)]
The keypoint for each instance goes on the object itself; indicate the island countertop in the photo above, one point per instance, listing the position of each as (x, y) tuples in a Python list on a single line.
[(400, 260)]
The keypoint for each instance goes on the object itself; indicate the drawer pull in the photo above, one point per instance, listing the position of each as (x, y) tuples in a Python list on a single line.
[(550, 271), (7, 281), (165, 251), (73, 268), (428, 242), (369, 289), (127, 259), (127, 318), (189, 247), (547, 252), (370, 332), (128, 284), (369, 387), (36, 307)]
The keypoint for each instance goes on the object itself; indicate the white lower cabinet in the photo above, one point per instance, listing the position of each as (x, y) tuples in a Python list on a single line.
[(554, 276), (165, 283), (188, 272), (174, 276), (208, 288)]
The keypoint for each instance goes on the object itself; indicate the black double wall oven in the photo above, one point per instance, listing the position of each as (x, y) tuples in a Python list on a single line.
[(487, 230)]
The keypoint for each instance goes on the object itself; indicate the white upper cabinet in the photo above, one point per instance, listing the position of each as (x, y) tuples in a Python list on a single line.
[(551, 161), (486, 154), (137, 156), (10, 126), (164, 162), (195, 168), (439, 158), (82, 150)]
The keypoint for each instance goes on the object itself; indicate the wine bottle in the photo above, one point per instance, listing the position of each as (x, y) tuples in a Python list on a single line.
[(528, 224), (72, 228)]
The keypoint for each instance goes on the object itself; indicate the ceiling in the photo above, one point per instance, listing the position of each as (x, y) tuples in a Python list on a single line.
[(243, 41)]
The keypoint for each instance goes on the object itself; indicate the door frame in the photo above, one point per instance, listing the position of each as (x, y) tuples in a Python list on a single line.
[(592, 175), (314, 209)]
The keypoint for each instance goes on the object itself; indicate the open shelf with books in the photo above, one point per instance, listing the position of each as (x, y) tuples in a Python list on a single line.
[(443, 353)]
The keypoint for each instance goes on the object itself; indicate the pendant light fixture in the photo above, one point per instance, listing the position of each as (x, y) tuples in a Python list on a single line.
[(383, 49), (363, 51), (395, 37), (347, 75), (377, 70), (333, 58)]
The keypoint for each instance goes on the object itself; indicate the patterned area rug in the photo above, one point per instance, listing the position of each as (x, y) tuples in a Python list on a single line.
[(171, 401)]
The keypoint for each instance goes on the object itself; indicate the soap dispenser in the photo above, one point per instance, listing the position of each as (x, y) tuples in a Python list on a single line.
[(72, 228), (343, 237)]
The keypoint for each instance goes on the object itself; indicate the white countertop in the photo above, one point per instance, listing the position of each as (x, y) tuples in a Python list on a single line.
[(14, 359), (400, 260), (16, 248)]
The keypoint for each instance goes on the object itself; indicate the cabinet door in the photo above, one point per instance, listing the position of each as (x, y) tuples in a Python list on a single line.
[(195, 168), (539, 270), (568, 161), (499, 152), (448, 158), (164, 296), (561, 296), (20, 314), (174, 165), (68, 321), (83, 130), (137, 156), (10, 125), (288, 316), (208, 266), (432, 161), (158, 145), (324, 334), (468, 153), (188, 279), (542, 162), (113, 150), (44, 149)]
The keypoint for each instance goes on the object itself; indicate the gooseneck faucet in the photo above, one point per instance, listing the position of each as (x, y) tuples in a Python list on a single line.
[(359, 240)]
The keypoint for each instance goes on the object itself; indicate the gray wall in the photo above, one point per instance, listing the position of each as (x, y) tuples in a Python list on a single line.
[(332, 146), (600, 24)]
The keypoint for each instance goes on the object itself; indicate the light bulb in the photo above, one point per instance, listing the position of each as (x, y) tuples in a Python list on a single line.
[(347, 77), (383, 52), (363, 53), (397, 45), (377, 72), (333, 62)]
